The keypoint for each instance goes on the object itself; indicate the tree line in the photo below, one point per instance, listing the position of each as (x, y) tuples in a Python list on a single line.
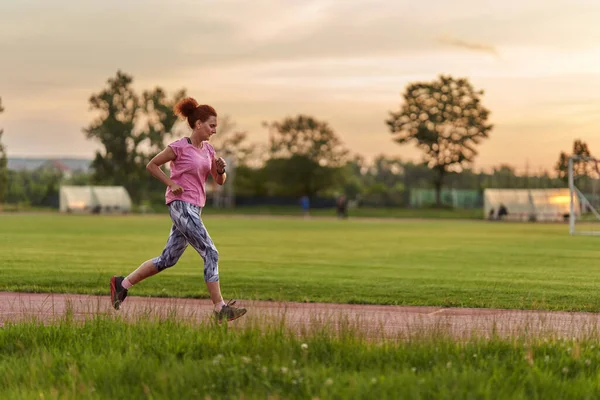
[(444, 118)]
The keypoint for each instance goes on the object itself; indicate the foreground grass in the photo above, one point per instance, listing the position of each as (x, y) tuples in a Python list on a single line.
[(168, 359), (438, 263)]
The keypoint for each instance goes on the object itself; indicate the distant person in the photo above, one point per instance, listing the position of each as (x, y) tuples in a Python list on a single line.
[(342, 207), (305, 204), (502, 211), (192, 160)]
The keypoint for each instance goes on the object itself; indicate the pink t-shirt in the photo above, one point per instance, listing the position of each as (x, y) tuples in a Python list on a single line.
[(190, 169)]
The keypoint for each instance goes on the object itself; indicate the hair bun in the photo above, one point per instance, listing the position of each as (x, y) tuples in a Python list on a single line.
[(185, 107)]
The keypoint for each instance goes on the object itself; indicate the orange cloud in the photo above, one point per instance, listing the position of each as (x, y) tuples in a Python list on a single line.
[(480, 47)]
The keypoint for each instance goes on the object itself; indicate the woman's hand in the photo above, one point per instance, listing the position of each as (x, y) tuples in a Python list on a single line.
[(221, 164), (176, 189)]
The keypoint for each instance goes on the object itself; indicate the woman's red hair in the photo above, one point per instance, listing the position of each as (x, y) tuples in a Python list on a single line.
[(189, 109)]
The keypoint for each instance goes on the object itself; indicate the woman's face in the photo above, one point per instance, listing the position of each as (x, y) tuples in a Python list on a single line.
[(206, 129)]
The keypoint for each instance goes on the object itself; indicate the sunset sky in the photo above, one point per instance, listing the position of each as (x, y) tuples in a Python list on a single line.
[(345, 62)]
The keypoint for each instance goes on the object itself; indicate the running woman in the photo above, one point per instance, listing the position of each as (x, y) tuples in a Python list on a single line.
[(192, 160)]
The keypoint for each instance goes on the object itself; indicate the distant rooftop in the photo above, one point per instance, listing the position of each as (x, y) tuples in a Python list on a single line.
[(64, 164)]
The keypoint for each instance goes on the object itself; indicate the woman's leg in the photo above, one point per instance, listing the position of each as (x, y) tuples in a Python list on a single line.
[(187, 219), (146, 270), (173, 250)]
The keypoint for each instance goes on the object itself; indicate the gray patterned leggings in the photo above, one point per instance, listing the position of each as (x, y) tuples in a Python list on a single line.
[(187, 229)]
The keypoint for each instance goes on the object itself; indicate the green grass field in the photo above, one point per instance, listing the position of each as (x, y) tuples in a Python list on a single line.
[(362, 212), (432, 262), (428, 262)]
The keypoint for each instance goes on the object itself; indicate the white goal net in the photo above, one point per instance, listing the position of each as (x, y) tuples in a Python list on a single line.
[(584, 189)]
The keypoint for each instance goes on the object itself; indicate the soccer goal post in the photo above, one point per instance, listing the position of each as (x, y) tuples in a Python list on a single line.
[(584, 189)]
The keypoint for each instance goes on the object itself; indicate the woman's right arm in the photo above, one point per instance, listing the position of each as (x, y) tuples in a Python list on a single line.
[(154, 168)]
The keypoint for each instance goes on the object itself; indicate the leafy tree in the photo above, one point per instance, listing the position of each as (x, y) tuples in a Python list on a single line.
[(15, 191), (506, 176), (3, 165), (387, 170), (445, 118), (306, 136), (36, 188), (306, 155), (79, 179), (581, 168), (229, 142), (131, 128), (251, 181), (352, 181)]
